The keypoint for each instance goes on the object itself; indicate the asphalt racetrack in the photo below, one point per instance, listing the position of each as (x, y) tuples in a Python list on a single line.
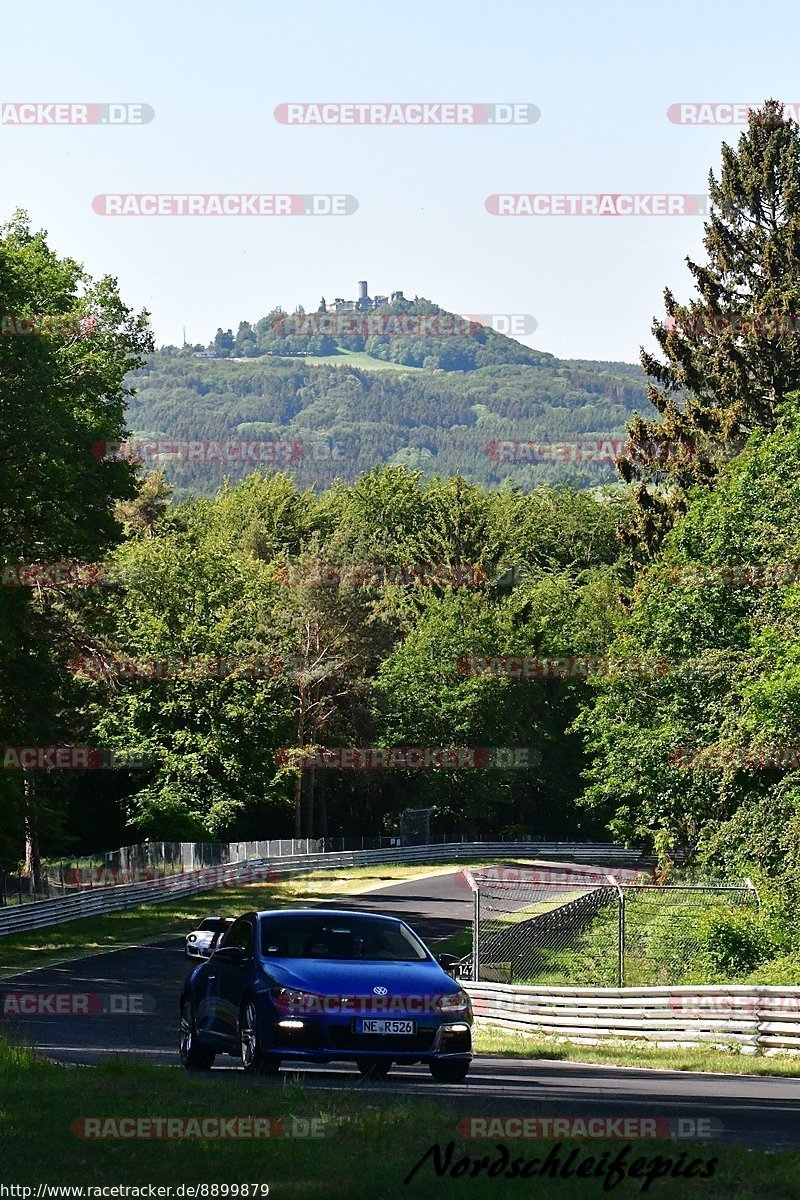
[(138, 1017)]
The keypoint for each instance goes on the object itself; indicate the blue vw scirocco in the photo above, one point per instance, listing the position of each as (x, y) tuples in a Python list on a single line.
[(323, 985)]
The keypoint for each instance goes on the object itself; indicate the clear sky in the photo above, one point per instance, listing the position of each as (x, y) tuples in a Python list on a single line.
[(603, 76)]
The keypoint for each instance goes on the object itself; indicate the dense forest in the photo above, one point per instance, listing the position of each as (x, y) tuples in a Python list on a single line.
[(336, 421), (279, 653)]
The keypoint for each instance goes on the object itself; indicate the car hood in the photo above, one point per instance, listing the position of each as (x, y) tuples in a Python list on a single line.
[(325, 977)]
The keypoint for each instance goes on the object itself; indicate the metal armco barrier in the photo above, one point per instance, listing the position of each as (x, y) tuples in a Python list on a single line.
[(753, 1019), (90, 902)]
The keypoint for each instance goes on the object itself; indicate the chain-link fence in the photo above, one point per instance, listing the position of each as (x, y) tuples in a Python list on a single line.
[(415, 826), (584, 928)]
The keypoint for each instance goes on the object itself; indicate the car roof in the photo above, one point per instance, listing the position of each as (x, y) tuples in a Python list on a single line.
[(324, 912)]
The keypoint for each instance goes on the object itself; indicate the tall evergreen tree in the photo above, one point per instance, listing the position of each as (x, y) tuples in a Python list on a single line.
[(731, 355)]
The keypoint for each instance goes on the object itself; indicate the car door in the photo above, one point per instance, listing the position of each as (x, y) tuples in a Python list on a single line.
[(231, 977)]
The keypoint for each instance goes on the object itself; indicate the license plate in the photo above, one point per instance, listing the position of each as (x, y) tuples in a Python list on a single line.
[(384, 1025)]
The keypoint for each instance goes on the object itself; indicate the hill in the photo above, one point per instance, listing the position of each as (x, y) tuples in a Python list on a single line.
[(333, 419)]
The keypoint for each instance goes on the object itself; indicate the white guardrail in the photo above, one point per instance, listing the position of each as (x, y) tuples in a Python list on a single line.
[(90, 902), (752, 1019)]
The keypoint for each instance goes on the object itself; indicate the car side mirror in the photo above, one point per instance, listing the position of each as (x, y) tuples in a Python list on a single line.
[(230, 954), (450, 963)]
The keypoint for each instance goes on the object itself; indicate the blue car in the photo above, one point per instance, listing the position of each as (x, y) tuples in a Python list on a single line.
[(322, 985)]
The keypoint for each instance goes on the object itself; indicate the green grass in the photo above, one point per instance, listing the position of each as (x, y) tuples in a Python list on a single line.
[(457, 943), (373, 1140), (518, 915), (351, 358), (494, 1040), (664, 946)]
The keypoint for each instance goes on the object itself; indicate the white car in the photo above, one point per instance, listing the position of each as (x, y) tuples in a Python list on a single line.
[(202, 941)]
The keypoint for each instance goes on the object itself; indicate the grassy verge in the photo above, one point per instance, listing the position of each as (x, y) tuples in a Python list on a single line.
[(517, 915), (667, 943), (457, 943), (371, 1143), (152, 922), (490, 1040), (350, 358)]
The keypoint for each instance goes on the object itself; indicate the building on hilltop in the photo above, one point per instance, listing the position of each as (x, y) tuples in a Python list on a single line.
[(364, 303)]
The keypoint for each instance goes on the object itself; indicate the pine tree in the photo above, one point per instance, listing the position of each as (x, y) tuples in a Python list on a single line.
[(733, 353)]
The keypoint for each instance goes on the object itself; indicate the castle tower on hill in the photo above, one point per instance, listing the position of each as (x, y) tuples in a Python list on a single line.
[(363, 302)]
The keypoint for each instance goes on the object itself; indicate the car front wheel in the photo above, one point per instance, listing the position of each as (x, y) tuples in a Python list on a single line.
[(194, 1055), (253, 1057), (452, 1071)]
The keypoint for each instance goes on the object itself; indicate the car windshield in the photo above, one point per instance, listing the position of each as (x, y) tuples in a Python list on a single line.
[(213, 924), (303, 935)]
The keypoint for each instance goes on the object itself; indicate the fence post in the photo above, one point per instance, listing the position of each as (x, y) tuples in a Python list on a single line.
[(476, 923), (621, 931), (749, 884), (476, 936)]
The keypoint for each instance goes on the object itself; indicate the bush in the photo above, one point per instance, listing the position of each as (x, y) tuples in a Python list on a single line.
[(762, 836), (783, 971), (736, 942)]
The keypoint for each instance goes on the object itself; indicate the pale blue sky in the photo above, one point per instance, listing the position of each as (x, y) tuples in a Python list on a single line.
[(602, 75)]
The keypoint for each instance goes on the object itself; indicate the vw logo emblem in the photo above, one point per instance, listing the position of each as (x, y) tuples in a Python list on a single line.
[(380, 991)]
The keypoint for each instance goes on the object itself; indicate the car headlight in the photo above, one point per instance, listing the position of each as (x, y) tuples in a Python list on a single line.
[(455, 1002), (296, 1000), (192, 937)]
